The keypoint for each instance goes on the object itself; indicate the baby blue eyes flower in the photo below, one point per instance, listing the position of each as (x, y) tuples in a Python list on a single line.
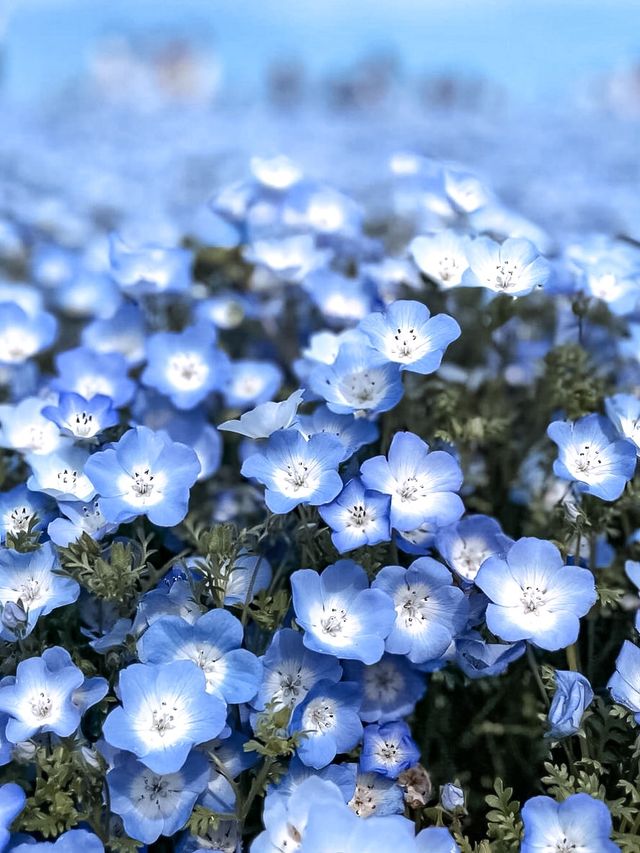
[(24, 428), (61, 474), (145, 473), (77, 518), (266, 418), (451, 797), (624, 684), (623, 411), (478, 659), (329, 717), (296, 471), (20, 508), (429, 609), (388, 749), (408, 335), (88, 373), (79, 418), (579, 823), (464, 546), (534, 596), (12, 800), (357, 517), (41, 699), (390, 688), (251, 382), (22, 334), (30, 582), (422, 484), (185, 366), (165, 711), (154, 804), (212, 643), (71, 841), (441, 257), (591, 454), (572, 697), (341, 616), (359, 380), (353, 433), (149, 268), (514, 268)]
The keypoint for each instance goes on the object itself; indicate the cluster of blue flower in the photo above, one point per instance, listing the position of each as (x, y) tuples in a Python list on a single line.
[(243, 667)]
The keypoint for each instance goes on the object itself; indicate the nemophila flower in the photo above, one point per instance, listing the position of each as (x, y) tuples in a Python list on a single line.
[(22, 334), (408, 335), (514, 267), (21, 510), (624, 684), (623, 411), (61, 474), (266, 418), (359, 380), (579, 823), (186, 366), (290, 670), (390, 276), (40, 699), (478, 659), (340, 615), (388, 749), (251, 382), (154, 804), (276, 173), (390, 688), (78, 517), (591, 454), (376, 795), (572, 697), (12, 801), (296, 471), (290, 258), (436, 839), (429, 609), (69, 842), (341, 300), (165, 711), (148, 268), (249, 575), (145, 473), (122, 333), (422, 483), (451, 797), (328, 716), (465, 545), (357, 517), (213, 643), (79, 418), (88, 373), (30, 581), (353, 433), (534, 596), (343, 776), (191, 428), (23, 427)]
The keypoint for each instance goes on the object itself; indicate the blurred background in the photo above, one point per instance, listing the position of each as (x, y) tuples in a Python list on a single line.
[(540, 96)]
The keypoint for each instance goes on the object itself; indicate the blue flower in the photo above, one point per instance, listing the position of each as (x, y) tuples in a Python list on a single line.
[(80, 517), (342, 300), (23, 335), (12, 800), (376, 796), (359, 380), (291, 670), (296, 471), (41, 699), (79, 418), (429, 609), (442, 257), (186, 366), (390, 688), (353, 433), (624, 684), (145, 473), (341, 616), (579, 823), (623, 411), (408, 335), (165, 711), (422, 484), (357, 517), (591, 455), (388, 749), (69, 842), (213, 643), (436, 839), (150, 268), (478, 659), (61, 474), (123, 333), (153, 804), (88, 373), (464, 546), (30, 581), (343, 777), (251, 382), (266, 418), (572, 697), (534, 596), (328, 716), (451, 797), (21, 508), (514, 268), (24, 428)]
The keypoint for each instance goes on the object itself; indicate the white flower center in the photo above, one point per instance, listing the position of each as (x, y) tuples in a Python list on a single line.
[(83, 425), (142, 484), (163, 719), (412, 607), (30, 590), (41, 705), (364, 801), (16, 345), (319, 716), (586, 459), (90, 385), (187, 371), (565, 846), (533, 598), (333, 624), (67, 478), (411, 489), (358, 516), (19, 519)]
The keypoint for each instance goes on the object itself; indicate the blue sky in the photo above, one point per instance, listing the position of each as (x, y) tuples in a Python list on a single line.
[(531, 46)]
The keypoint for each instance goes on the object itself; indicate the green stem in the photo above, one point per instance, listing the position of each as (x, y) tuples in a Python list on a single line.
[(531, 658)]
